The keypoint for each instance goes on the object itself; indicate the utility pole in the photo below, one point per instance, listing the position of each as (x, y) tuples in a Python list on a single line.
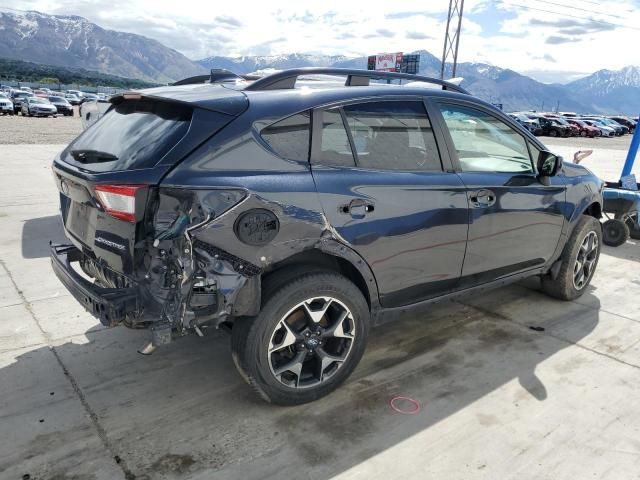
[(452, 37)]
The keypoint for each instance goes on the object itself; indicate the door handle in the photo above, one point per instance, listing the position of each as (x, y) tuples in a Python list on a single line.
[(482, 198), (357, 208)]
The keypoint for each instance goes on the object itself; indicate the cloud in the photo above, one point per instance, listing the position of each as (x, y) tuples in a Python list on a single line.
[(556, 40), (546, 57), (569, 26), (384, 32), (228, 20), (418, 35)]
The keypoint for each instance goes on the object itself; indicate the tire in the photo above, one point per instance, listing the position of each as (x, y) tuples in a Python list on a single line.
[(615, 232), (553, 133), (251, 338), (565, 286), (583, 133), (634, 228)]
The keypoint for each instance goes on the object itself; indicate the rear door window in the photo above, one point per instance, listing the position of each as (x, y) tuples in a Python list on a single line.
[(132, 135), (393, 135)]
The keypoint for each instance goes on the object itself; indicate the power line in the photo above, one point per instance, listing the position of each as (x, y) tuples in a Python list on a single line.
[(567, 15), (579, 9)]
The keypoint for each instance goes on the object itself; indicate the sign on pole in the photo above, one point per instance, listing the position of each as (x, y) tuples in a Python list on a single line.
[(394, 62), (385, 62)]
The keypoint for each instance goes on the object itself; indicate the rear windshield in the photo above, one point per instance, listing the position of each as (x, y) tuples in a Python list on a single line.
[(134, 134)]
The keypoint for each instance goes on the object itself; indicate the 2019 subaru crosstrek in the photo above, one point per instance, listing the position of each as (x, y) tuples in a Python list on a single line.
[(298, 212)]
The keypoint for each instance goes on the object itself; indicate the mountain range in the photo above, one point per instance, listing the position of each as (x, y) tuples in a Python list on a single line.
[(73, 41)]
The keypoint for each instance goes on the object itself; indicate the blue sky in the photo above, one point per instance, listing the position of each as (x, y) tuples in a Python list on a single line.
[(551, 40)]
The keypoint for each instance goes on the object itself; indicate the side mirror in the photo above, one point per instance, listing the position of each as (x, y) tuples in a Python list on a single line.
[(548, 164)]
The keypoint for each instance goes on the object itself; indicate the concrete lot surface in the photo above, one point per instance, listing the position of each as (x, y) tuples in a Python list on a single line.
[(498, 400), (18, 130)]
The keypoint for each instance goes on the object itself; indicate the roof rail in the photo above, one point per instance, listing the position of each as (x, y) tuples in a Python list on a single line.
[(286, 79), (217, 75)]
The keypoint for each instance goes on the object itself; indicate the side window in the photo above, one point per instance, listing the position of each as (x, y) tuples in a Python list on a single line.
[(484, 143), (393, 136), (335, 148), (289, 138)]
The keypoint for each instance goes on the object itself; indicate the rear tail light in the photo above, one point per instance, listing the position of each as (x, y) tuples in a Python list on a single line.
[(119, 201)]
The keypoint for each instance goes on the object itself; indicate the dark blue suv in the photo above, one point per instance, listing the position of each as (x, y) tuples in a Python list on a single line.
[(299, 209)]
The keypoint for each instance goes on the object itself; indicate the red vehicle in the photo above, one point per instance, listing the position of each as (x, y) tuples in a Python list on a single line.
[(585, 130)]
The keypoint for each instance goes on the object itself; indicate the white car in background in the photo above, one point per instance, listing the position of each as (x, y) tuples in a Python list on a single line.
[(605, 131), (38, 107), (6, 105)]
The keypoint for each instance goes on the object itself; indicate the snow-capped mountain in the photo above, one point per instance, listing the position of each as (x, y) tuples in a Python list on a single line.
[(73, 41), (603, 82), (248, 64), (618, 90), (489, 82)]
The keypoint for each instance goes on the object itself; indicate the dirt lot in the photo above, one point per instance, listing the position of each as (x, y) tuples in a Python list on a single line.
[(498, 399), (17, 129)]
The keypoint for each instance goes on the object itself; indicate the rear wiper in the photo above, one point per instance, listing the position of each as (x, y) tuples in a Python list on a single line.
[(92, 156)]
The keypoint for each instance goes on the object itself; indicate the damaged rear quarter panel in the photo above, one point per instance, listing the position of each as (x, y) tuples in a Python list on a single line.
[(237, 159)]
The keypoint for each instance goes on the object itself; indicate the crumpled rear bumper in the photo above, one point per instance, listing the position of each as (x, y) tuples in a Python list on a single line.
[(110, 305)]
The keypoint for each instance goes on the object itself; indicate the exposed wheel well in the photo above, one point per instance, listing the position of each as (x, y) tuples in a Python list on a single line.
[(307, 261), (594, 210)]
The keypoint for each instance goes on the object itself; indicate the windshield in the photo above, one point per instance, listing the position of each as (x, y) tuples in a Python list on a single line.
[(57, 99), (37, 100), (134, 134)]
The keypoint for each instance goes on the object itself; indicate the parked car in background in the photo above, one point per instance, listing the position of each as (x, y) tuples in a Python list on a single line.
[(77, 93), (616, 127), (605, 131), (6, 105), (73, 99), (529, 123), (26, 89), (574, 129), (553, 128), (47, 90), (584, 129), (17, 97), (632, 123), (62, 105), (620, 128), (90, 97), (625, 122), (38, 107)]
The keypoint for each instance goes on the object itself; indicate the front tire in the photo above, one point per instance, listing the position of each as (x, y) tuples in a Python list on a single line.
[(307, 339), (579, 260)]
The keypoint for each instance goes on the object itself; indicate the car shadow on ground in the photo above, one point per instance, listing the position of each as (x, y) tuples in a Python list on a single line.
[(629, 250), (184, 412), (36, 234)]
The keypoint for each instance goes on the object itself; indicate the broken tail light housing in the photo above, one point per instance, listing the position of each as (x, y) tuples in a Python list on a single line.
[(119, 201)]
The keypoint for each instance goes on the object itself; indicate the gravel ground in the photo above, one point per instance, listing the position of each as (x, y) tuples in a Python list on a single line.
[(39, 130), (580, 143)]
